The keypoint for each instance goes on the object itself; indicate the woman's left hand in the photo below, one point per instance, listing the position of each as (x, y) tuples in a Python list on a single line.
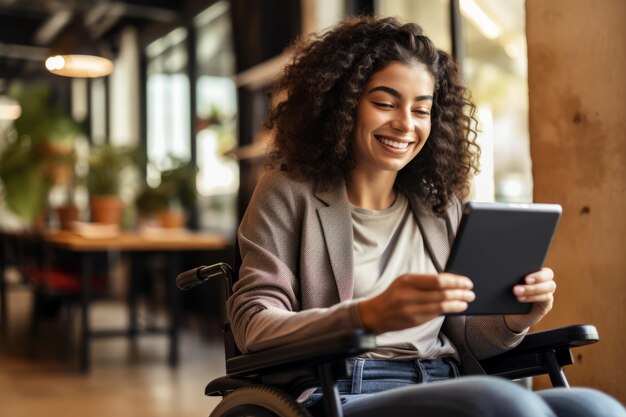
[(538, 288)]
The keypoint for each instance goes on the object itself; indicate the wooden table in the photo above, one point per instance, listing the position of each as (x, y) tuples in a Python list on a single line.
[(169, 243)]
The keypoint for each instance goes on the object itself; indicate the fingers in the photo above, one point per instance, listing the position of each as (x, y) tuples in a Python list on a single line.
[(414, 299), (453, 306), (435, 288), (437, 294), (444, 307), (540, 287), (535, 295), (544, 274), (445, 295), (537, 289), (422, 312), (438, 282)]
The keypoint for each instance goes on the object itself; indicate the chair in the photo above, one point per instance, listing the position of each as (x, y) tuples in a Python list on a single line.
[(267, 383), (55, 283)]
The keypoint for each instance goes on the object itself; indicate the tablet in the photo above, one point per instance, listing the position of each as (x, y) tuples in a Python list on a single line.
[(497, 245)]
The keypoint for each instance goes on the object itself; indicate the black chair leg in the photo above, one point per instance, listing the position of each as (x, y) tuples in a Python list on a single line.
[(332, 403), (557, 376), (34, 325)]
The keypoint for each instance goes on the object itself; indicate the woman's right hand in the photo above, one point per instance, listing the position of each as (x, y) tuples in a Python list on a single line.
[(414, 299)]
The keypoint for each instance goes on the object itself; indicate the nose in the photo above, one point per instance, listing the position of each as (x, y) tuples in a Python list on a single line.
[(403, 120)]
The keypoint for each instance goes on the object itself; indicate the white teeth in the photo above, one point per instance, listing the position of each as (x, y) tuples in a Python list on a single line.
[(393, 144)]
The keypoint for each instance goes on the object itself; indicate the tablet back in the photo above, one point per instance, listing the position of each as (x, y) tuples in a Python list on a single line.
[(496, 246)]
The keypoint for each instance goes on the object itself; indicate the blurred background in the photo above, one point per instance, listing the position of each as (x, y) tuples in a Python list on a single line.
[(187, 92), (154, 109)]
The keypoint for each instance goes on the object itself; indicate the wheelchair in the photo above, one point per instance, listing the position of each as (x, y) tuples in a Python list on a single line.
[(267, 383)]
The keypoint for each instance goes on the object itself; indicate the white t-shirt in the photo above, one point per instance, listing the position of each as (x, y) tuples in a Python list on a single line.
[(387, 244)]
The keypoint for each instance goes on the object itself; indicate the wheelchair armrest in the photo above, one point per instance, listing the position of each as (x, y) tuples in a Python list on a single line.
[(540, 352), (309, 352), (570, 336)]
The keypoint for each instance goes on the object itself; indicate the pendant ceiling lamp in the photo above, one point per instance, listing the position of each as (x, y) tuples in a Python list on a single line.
[(76, 54), (10, 109)]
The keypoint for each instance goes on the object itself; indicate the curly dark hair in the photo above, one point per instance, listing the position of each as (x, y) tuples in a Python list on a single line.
[(318, 95)]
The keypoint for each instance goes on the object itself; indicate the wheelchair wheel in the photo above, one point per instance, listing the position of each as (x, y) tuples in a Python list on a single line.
[(259, 401)]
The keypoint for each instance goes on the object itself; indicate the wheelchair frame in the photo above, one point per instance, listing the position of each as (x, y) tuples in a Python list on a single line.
[(283, 373)]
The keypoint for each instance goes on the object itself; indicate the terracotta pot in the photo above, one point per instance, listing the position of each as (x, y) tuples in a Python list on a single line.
[(59, 161), (172, 219), (106, 209), (67, 214)]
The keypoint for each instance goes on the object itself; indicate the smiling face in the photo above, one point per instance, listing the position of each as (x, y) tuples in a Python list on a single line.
[(393, 119)]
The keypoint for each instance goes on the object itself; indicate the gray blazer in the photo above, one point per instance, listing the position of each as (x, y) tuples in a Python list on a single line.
[(295, 279)]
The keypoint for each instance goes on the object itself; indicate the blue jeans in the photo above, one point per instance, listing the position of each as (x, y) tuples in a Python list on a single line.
[(433, 388)]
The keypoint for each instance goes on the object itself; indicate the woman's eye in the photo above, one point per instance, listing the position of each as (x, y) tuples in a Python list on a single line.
[(382, 105), (422, 112)]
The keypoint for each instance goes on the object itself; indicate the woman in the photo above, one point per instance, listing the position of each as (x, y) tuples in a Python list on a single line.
[(374, 148)]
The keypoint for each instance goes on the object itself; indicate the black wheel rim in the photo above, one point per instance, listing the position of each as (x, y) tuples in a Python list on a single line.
[(249, 410)]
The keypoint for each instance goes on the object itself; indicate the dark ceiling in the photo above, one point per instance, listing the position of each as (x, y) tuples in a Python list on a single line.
[(29, 28)]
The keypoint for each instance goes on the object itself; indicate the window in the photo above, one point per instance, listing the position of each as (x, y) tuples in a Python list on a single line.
[(432, 16), (167, 102), (495, 70), (216, 120)]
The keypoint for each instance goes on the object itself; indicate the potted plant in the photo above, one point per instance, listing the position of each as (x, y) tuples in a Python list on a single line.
[(173, 198), (107, 165), (25, 188), (36, 152)]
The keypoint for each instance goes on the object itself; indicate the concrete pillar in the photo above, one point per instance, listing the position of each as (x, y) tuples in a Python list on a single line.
[(577, 91)]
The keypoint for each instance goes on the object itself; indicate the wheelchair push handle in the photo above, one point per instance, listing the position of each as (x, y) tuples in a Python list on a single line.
[(189, 279)]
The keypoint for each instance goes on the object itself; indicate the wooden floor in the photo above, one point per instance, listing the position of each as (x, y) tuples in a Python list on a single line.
[(41, 379)]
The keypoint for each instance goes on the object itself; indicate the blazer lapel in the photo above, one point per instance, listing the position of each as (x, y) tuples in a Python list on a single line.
[(435, 232), (336, 225)]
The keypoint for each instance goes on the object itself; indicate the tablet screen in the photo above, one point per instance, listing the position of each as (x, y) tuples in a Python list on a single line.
[(497, 245)]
